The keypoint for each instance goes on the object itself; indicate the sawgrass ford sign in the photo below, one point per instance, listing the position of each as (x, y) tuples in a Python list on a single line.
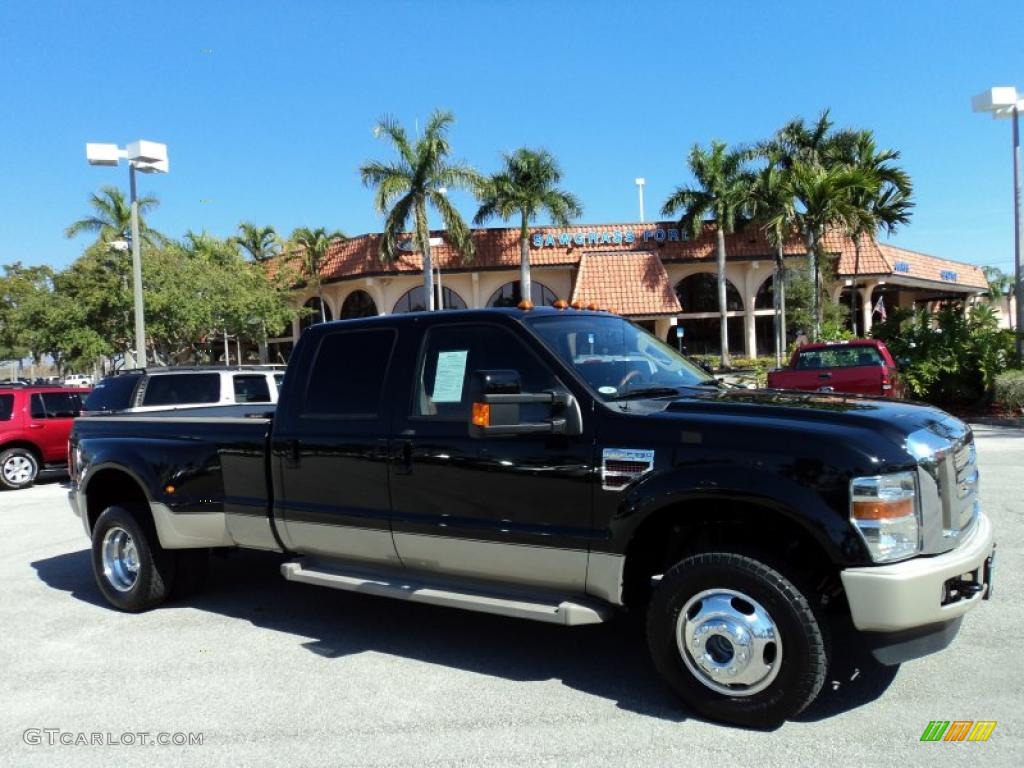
[(607, 237)]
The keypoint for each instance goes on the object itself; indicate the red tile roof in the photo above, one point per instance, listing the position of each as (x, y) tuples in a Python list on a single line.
[(499, 249), (629, 283), (913, 264)]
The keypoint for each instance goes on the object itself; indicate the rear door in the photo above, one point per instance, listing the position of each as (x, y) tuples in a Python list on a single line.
[(51, 415), (329, 448)]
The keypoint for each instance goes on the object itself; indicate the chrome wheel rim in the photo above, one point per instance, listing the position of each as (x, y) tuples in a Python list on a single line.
[(120, 559), (729, 642), (18, 470)]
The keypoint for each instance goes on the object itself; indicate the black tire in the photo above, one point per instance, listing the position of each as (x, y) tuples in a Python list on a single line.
[(800, 669), (191, 570), (155, 572), (19, 468)]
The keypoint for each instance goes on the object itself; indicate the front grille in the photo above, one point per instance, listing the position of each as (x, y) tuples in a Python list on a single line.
[(958, 487)]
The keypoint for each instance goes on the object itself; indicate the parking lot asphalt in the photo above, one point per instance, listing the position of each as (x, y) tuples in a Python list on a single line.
[(277, 673)]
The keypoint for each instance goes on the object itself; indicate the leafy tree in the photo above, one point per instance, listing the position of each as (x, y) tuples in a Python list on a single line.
[(19, 286), (527, 185), (772, 208), (419, 179), (112, 216), (315, 244), (826, 198), (885, 200), (722, 192), (1000, 284), (261, 243)]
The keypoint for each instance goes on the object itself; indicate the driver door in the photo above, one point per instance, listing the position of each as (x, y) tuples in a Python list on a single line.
[(511, 508)]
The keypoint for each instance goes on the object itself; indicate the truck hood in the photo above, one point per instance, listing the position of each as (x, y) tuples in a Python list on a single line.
[(896, 419)]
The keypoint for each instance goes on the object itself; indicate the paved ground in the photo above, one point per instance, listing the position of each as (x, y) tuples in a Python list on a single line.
[(275, 673)]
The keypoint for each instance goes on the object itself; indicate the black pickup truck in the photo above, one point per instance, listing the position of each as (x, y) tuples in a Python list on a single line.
[(562, 466)]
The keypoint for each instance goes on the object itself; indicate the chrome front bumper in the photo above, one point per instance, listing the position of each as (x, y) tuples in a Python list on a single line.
[(891, 598)]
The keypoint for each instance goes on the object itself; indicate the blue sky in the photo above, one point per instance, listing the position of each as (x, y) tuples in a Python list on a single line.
[(273, 123)]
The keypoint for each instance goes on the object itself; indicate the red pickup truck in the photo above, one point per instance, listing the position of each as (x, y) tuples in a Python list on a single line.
[(859, 366)]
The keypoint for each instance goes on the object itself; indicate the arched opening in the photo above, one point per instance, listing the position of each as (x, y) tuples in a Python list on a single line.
[(358, 304), (509, 295), (699, 293), (413, 300), (314, 316), (765, 296)]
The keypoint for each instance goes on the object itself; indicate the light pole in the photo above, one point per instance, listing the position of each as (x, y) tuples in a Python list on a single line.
[(147, 157), (640, 181), (1006, 102)]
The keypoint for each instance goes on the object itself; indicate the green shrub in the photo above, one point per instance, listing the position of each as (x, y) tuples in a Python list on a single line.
[(1009, 390), (949, 358)]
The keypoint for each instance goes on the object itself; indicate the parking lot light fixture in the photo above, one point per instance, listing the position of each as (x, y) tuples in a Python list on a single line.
[(147, 157), (1007, 102)]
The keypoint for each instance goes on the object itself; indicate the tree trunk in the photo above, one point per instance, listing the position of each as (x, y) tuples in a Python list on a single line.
[(776, 306), (428, 268), (812, 258), (853, 288), (525, 289), (782, 298), (723, 307)]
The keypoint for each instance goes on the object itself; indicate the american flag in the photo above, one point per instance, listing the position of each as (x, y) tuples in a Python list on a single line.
[(880, 308)]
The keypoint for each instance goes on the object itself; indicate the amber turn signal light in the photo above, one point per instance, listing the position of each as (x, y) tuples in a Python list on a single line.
[(481, 415), (526, 305), (561, 304), (878, 509)]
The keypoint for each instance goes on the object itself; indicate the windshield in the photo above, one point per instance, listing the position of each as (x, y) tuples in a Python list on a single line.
[(616, 358)]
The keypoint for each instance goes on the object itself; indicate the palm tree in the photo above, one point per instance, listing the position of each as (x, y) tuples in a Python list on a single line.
[(883, 203), (315, 243), (772, 207), (527, 186), (420, 177), (722, 192), (825, 197), (112, 217), (261, 243)]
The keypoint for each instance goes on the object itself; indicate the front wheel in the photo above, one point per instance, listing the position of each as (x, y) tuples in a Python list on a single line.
[(132, 570), (736, 639)]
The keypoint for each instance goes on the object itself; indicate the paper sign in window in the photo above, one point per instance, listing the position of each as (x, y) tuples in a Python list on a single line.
[(451, 372)]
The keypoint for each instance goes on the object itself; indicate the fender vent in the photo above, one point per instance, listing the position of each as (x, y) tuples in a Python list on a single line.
[(620, 467)]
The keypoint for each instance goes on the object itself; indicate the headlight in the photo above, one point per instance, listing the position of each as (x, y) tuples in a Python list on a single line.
[(883, 509)]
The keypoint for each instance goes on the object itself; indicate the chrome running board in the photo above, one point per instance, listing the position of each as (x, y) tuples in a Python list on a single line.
[(417, 588)]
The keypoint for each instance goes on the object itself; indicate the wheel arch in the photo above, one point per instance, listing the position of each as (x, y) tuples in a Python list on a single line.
[(113, 484), (28, 445), (732, 522)]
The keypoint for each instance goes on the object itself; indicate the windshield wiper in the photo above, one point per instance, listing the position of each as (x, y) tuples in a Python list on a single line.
[(645, 392)]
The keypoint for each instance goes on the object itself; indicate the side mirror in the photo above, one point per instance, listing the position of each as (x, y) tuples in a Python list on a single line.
[(496, 398)]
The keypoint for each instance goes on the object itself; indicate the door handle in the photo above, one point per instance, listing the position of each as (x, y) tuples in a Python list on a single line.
[(292, 452), (824, 375), (35, 426)]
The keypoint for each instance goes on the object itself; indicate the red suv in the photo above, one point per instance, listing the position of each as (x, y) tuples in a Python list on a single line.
[(34, 426)]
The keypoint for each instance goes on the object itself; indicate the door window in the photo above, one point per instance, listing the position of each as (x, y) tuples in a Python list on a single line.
[(182, 388), (56, 405), (348, 373), (6, 407), (251, 388), (450, 355)]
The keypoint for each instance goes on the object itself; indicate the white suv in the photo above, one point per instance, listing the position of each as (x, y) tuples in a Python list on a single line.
[(166, 388), (78, 380)]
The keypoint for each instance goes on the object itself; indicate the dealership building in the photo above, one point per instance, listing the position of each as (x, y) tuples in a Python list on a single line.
[(652, 273)]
